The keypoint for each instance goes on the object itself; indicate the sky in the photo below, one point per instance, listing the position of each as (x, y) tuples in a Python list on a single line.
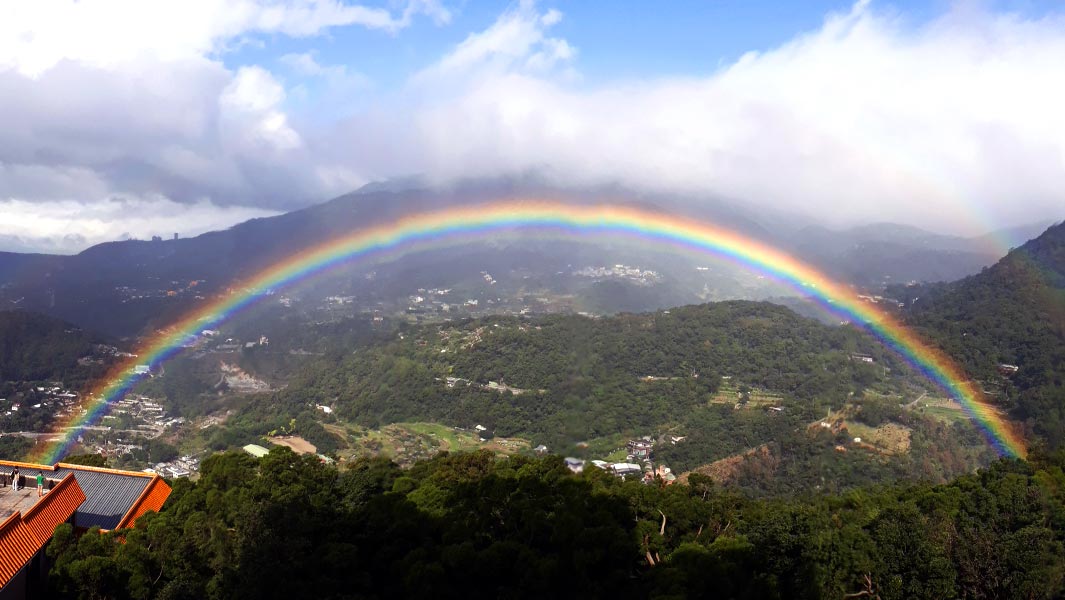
[(133, 118)]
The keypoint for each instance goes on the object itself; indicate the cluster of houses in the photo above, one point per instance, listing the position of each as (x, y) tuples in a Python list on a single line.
[(445, 304), (149, 415), (495, 386), (101, 352), (179, 467), (632, 274), (209, 340), (144, 419), (54, 396), (639, 463), (432, 301), (175, 288), (874, 299)]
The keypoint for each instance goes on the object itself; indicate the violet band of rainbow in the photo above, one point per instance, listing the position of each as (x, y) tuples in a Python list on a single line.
[(460, 225)]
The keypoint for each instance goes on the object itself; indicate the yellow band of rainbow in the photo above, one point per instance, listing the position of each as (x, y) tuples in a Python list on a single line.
[(462, 224)]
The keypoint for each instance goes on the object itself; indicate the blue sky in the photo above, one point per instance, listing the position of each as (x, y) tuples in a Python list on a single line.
[(137, 116), (629, 39)]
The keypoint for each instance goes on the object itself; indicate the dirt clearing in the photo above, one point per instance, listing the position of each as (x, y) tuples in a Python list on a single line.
[(295, 442)]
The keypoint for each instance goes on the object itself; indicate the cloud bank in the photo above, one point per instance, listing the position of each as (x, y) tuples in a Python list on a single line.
[(953, 124), (111, 219), (865, 119)]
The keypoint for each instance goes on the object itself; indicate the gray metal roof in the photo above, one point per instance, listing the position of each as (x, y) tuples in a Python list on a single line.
[(108, 496)]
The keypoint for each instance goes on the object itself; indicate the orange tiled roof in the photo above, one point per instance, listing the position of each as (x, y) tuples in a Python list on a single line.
[(151, 499), (17, 547), (22, 536), (56, 506)]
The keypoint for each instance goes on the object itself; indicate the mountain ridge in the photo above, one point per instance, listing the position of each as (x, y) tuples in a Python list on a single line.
[(82, 288)]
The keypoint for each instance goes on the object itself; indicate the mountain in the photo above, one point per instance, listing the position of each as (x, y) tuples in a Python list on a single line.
[(1014, 313), (37, 347), (725, 378), (880, 254), (18, 268), (1015, 236), (124, 287)]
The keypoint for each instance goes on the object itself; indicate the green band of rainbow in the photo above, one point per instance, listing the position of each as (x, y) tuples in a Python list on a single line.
[(459, 225)]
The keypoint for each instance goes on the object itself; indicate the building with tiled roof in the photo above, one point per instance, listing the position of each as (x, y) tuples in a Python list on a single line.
[(79, 495)]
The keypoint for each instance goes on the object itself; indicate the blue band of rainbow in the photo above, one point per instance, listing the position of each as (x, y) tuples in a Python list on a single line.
[(460, 225)]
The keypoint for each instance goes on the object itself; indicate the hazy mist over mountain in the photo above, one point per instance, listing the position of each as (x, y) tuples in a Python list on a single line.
[(532, 299), (119, 120)]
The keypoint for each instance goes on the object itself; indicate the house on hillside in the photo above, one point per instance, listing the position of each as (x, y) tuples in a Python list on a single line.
[(626, 469), (82, 496), (574, 464), (1007, 370), (256, 450), (640, 449)]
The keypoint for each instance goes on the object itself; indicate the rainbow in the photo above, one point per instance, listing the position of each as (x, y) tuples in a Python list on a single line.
[(457, 225)]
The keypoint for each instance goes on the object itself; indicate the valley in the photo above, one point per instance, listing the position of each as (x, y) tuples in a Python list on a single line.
[(617, 397), (527, 299), (494, 362)]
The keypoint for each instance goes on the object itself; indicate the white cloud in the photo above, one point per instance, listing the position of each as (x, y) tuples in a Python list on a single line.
[(517, 39), (128, 99), (66, 226), (250, 104), (551, 17), (863, 119), (303, 63), (253, 90), (35, 36), (188, 131), (339, 78)]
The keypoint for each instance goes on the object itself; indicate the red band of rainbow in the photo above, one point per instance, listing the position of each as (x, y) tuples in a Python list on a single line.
[(458, 225)]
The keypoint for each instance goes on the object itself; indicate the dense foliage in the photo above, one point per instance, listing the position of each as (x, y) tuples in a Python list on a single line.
[(37, 354), (14, 447), (34, 347), (580, 378), (1014, 313), (482, 526)]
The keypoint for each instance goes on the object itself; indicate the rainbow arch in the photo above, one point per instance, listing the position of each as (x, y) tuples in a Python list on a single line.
[(460, 224)]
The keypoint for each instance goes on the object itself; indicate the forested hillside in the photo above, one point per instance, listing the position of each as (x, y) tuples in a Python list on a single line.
[(36, 347), (479, 526), (723, 378), (1014, 313), (572, 378)]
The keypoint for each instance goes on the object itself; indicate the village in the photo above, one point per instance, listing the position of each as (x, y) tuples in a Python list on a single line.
[(490, 294), (121, 435), (26, 404), (639, 463), (125, 433), (620, 272)]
